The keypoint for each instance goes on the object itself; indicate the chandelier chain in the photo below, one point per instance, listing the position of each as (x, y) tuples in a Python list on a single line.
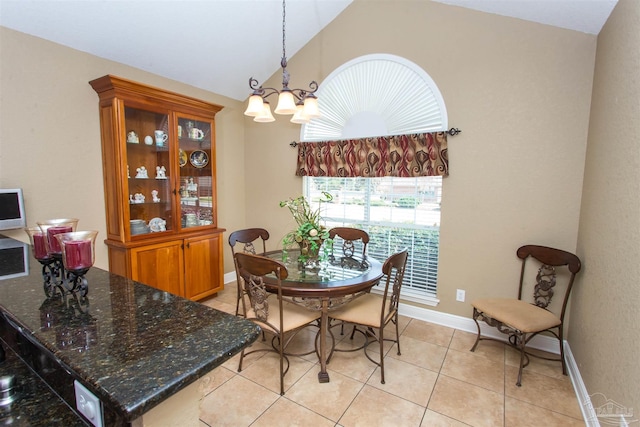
[(284, 53)]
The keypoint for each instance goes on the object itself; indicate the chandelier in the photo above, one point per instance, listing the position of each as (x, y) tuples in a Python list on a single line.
[(303, 104)]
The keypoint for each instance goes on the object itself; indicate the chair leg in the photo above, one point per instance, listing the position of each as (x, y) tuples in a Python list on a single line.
[(475, 319), (381, 342), (520, 339), (281, 339), (397, 334), (240, 363), (561, 339)]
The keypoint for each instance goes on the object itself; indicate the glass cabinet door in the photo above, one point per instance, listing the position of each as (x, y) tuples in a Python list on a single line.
[(148, 171), (196, 184)]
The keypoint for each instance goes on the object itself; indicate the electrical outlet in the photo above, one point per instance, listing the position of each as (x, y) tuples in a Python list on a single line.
[(460, 295), (88, 404)]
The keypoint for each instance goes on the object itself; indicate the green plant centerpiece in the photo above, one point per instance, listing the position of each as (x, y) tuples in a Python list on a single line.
[(310, 234)]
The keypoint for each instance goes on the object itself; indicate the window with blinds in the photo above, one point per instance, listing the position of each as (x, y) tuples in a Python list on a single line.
[(396, 212)]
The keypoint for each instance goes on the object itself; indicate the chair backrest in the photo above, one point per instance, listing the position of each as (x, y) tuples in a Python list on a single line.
[(252, 269), (248, 237), (393, 269), (546, 278), (350, 239)]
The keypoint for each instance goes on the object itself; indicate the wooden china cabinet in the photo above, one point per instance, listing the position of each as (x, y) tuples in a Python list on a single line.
[(158, 155)]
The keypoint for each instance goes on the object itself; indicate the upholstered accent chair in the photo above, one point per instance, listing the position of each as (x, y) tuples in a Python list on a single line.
[(544, 272)]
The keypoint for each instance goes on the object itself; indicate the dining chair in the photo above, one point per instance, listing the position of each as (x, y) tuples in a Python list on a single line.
[(353, 243), (523, 319), (270, 310), (249, 239), (374, 312)]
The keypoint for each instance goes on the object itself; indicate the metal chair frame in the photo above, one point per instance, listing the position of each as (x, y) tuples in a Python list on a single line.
[(550, 258)]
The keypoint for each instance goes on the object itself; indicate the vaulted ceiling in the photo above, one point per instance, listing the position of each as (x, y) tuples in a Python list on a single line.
[(218, 44)]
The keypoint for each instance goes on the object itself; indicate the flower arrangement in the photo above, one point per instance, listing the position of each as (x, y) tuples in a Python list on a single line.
[(310, 234)]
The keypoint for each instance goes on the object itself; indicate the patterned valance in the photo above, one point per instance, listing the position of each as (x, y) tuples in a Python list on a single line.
[(422, 154)]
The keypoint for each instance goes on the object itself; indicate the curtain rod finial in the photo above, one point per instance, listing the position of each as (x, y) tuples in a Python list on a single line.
[(453, 131), (293, 144)]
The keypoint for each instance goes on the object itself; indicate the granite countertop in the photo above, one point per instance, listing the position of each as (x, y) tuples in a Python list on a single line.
[(132, 344), (35, 404)]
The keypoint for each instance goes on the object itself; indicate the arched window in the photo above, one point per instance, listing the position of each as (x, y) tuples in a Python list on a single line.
[(372, 96)]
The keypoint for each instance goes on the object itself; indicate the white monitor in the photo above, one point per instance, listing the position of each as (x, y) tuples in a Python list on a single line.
[(11, 209)]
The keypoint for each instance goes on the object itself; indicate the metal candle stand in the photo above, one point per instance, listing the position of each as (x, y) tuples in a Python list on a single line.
[(57, 278)]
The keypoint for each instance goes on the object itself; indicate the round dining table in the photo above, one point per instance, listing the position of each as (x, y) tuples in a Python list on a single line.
[(324, 286)]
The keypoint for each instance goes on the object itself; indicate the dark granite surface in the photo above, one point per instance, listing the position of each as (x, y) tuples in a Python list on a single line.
[(132, 345), (35, 404)]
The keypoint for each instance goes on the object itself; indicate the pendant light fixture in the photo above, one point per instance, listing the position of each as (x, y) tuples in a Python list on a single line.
[(301, 103)]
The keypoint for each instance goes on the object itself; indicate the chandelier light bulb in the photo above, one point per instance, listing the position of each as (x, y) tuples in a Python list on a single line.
[(286, 103), (265, 116), (255, 107), (311, 109), (299, 117)]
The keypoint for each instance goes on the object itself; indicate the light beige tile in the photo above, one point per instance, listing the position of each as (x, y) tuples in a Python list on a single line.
[(429, 332), (237, 402), (434, 419), (555, 394), (522, 414), (466, 366), (328, 399), (463, 341), (373, 407), (232, 364), (353, 364), (215, 379), (549, 368), (420, 353), (304, 342), (467, 403), (285, 413), (266, 371), (407, 381)]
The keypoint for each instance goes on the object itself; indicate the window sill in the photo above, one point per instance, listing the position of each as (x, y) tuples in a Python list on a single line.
[(411, 296)]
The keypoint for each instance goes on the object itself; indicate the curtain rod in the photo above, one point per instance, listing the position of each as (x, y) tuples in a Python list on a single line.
[(451, 132)]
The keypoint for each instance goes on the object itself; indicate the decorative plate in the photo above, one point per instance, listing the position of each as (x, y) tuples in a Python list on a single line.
[(199, 158), (157, 224), (182, 158)]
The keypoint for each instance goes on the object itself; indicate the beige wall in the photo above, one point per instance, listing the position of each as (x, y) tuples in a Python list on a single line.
[(50, 134), (519, 91), (605, 332)]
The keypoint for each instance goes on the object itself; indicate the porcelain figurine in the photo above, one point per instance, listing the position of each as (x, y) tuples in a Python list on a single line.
[(142, 172), (154, 195), (161, 172)]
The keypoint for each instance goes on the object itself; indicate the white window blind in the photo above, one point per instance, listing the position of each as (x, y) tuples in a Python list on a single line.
[(396, 212)]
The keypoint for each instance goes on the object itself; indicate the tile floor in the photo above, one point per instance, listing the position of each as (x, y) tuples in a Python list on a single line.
[(436, 381)]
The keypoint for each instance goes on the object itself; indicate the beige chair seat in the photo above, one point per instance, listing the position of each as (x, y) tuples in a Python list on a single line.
[(517, 314), (294, 316), (364, 310)]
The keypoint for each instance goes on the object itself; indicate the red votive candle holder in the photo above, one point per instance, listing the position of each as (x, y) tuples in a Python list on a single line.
[(78, 249), (39, 243), (52, 227)]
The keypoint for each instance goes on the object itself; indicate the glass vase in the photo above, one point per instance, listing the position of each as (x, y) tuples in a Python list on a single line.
[(51, 227), (78, 250)]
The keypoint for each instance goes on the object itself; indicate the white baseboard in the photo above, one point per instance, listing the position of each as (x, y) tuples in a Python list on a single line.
[(584, 400), (229, 277)]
